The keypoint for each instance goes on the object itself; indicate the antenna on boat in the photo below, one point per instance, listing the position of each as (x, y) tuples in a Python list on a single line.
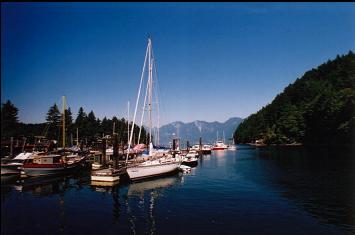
[(150, 90)]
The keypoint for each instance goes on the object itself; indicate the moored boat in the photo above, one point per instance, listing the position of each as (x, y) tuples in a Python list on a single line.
[(152, 168), (206, 149), (40, 165), (190, 159), (159, 163), (51, 164), (106, 175), (14, 166), (219, 146)]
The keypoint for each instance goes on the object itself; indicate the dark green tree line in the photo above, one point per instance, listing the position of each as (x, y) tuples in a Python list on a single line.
[(9, 119), (89, 127), (317, 109)]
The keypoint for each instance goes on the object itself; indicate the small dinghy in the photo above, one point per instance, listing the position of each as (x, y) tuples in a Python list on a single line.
[(185, 169)]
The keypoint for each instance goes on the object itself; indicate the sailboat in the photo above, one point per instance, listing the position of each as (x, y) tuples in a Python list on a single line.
[(51, 164), (156, 165)]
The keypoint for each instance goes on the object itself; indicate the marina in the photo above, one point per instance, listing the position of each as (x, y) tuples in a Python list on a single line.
[(177, 118), (227, 189)]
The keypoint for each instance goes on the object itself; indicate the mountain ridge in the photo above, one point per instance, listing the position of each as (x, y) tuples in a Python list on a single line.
[(192, 131)]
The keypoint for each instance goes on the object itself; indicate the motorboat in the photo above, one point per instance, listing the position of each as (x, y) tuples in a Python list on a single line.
[(219, 146), (190, 159), (14, 166)]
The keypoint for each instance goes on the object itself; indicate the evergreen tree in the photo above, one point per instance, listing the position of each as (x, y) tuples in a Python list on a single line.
[(9, 119), (317, 109), (80, 122), (53, 120), (91, 125)]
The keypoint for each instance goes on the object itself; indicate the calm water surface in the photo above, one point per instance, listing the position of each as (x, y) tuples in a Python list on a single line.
[(248, 191)]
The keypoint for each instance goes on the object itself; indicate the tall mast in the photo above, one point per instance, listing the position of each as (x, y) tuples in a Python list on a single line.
[(150, 88), (128, 125), (144, 104), (63, 99), (137, 101), (129, 140)]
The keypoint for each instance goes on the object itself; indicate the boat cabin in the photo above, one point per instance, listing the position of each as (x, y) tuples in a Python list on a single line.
[(47, 159)]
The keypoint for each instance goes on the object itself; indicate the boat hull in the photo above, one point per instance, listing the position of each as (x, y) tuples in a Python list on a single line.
[(105, 175), (219, 148), (42, 169), (77, 164), (105, 178), (144, 172), (9, 169), (190, 163)]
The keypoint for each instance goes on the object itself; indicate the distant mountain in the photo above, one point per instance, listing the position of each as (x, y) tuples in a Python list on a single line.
[(194, 130)]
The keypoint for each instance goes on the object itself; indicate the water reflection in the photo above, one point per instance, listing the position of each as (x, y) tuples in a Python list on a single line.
[(320, 181), (147, 194), (43, 186), (109, 188), (140, 188), (233, 189)]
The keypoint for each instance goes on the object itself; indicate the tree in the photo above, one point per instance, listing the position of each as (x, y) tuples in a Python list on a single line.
[(317, 109), (9, 119), (53, 115), (53, 120), (80, 122), (91, 125)]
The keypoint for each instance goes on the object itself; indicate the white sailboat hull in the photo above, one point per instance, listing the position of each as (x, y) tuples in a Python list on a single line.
[(148, 171)]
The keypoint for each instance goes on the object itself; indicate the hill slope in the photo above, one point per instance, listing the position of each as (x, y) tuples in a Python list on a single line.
[(317, 109)]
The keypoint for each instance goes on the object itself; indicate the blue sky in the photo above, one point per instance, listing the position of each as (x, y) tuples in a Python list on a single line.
[(214, 60)]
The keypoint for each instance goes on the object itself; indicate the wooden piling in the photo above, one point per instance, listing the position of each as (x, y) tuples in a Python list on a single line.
[(103, 156), (115, 150), (23, 144), (11, 147)]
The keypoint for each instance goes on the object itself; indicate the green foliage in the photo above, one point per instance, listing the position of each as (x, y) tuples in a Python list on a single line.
[(89, 127), (317, 109), (9, 119), (53, 120)]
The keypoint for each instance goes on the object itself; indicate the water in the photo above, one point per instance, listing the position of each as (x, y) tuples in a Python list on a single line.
[(248, 191)]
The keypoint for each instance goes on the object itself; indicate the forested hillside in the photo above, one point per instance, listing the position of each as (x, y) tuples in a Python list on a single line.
[(317, 109)]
